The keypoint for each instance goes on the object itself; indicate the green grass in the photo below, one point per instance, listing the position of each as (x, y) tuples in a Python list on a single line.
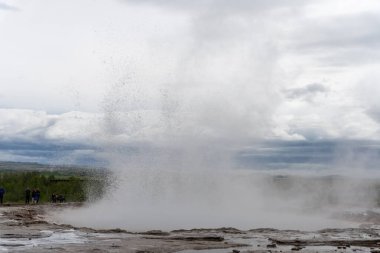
[(75, 185)]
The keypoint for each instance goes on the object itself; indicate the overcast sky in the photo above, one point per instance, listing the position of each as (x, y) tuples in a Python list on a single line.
[(82, 74)]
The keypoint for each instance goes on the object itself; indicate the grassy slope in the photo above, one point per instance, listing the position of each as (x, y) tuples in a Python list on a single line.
[(75, 183)]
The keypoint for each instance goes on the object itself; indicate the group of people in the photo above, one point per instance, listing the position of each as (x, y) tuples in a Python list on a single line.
[(33, 195), (2, 192), (55, 198)]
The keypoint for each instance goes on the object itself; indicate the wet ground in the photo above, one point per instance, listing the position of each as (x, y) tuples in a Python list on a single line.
[(26, 229)]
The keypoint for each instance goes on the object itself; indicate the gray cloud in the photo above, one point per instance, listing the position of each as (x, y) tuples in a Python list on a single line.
[(52, 152), (367, 92), (359, 30), (374, 113), (307, 92), (8, 7), (221, 5), (340, 40), (312, 154)]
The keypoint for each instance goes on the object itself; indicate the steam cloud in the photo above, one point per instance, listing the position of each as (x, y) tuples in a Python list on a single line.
[(172, 142)]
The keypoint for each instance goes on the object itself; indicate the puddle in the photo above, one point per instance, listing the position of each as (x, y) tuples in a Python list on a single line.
[(50, 238), (228, 250), (254, 243), (284, 249)]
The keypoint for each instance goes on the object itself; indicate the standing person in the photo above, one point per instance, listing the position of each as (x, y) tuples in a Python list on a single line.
[(38, 194), (54, 198), (33, 196), (27, 196), (2, 192)]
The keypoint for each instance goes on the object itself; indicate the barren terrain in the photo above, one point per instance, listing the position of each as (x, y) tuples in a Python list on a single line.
[(27, 229)]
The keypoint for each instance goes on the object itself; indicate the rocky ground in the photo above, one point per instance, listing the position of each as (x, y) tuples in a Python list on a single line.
[(26, 229)]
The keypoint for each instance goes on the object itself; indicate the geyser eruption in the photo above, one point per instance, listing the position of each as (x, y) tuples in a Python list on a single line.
[(172, 135), (176, 167)]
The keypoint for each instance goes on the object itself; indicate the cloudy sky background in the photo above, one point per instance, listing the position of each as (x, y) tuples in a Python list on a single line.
[(286, 83)]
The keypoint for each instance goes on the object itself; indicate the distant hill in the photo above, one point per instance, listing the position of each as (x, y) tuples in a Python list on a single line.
[(28, 166)]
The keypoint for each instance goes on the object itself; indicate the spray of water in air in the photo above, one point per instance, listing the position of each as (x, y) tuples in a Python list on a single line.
[(174, 121)]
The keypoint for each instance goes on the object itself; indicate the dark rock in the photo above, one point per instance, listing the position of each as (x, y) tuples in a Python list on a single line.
[(198, 238), (155, 232), (12, 244), (116, 230)]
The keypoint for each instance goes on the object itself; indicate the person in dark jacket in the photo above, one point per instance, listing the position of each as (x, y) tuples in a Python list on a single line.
[(38, 194), (2, 192), (53, 198), (27, 196), (33, 196)]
